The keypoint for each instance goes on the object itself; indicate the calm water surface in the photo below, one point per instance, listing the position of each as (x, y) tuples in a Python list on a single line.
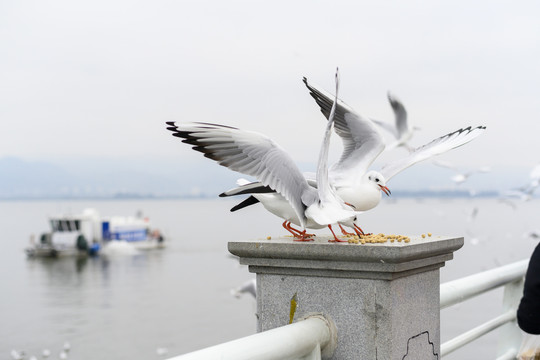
[(125, 307)]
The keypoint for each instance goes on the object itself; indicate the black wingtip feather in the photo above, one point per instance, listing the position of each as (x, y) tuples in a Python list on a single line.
[(249, 201)]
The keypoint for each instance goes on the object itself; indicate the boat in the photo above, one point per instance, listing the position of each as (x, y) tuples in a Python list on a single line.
[(87, 233)]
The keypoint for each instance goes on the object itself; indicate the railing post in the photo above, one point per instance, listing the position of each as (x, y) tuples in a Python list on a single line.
[(383, 298), (510, 335)]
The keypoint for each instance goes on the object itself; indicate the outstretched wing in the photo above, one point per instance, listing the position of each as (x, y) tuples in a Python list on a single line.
[(400, 115), (362, 143), (252, 154), (438, 146)]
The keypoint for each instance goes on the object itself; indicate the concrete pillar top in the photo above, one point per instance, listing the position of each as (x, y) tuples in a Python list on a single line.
[(371, 260)]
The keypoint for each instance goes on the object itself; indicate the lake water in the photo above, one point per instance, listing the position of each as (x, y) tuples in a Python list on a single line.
[(178, 298)]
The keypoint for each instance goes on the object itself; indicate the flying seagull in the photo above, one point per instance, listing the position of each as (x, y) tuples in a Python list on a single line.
[(401, 130), (350, 177), (256, 155)]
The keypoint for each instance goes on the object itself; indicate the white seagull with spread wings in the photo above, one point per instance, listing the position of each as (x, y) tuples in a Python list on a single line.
[(256, 155), (350, 177)]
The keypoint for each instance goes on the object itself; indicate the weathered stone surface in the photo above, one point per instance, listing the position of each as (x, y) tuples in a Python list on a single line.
[(383, 298)]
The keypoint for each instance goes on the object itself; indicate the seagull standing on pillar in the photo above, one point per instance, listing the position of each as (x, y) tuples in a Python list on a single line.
[(350, 177), (256, 155)]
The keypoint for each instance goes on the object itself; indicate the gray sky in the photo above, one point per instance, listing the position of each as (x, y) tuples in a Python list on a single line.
[(100, 78)]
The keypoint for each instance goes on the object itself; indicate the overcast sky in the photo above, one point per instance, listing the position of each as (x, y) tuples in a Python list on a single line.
[(100, 78)]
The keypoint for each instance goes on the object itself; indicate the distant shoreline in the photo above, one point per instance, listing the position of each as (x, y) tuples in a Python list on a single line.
[(396, 194)]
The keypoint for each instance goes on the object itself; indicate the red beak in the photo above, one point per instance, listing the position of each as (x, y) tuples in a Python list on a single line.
[(385, 190)]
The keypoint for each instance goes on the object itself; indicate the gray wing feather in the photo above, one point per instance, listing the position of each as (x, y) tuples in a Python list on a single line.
[(400, 115), (438, 146), (362, 143), (386, 126), (252, 154)]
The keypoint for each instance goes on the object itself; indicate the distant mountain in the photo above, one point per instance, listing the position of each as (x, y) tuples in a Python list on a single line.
[(19, 178), (93, 177), (180, 177)]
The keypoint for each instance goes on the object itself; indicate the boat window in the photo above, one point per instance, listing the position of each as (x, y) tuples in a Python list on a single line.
[(77, 224), (64, 224), (54, 225)]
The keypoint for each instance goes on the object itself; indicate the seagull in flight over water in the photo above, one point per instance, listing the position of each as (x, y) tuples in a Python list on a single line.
[(256, 155), (401, 130), (350, 177)]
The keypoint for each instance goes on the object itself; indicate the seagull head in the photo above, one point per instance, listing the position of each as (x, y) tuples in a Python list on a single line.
[(379, 181)]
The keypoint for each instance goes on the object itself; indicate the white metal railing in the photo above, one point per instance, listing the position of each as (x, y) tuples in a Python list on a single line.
[(302, 340), (511, 277), (307, 339)]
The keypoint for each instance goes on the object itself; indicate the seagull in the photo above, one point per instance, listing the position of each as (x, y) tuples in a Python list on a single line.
[(401, 129), (162, 351), (17, 355), (526, 192), (350, 177), (534, 181), (256, 155), (461, 177), (535, 176), (249, 287)]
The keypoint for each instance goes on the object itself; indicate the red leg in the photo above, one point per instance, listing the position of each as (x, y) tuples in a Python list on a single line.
[(359, 231), (343, 231), (296, 233), (303, 237), (289, 229), (335, 237)]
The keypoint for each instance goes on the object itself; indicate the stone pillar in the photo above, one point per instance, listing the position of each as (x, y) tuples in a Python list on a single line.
[(383, 298)]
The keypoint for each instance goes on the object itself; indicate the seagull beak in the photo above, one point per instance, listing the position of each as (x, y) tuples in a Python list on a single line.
[(385, 190)]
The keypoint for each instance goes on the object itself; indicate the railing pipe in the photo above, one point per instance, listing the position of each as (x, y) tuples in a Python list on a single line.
[(473, 334), (510, 354), (456, 291), (304, 339)]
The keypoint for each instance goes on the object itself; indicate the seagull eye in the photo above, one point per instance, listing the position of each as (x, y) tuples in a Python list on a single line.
[(376, 180)]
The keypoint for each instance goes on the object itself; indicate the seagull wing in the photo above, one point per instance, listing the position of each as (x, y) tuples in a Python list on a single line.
[(252, 154), (400, 115), (362, 143), (324, 190), (438, 146), (535, 173), (400, 127), (250, 188), (386, 126)]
